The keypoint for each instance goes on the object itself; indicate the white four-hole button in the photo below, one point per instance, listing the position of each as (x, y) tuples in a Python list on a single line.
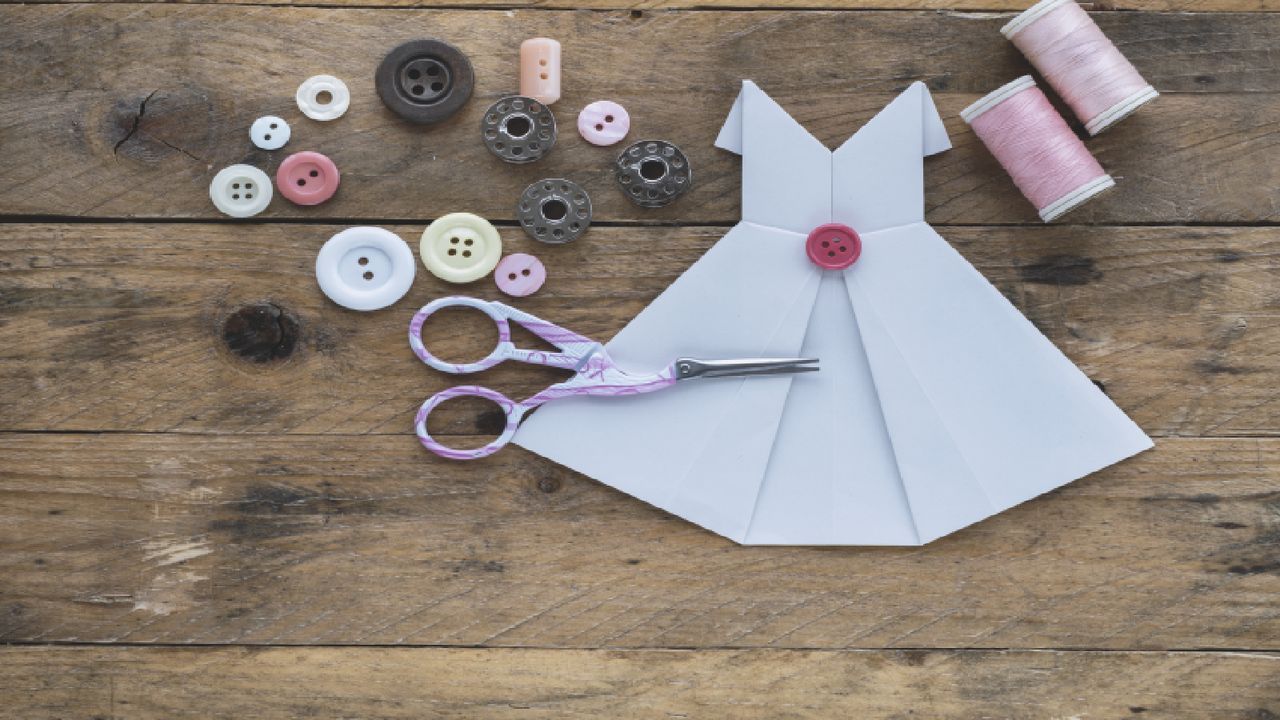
[(269, 132), (240, 191), (365, 268)]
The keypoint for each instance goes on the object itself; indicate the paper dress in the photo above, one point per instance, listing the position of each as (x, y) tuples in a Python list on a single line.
[(937, 404)]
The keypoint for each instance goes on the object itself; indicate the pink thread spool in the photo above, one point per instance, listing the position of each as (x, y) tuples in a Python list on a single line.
[(1048, 163), (1099, 84)]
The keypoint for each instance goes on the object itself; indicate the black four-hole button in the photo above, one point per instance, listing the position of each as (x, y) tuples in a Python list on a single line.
[(425, 81)]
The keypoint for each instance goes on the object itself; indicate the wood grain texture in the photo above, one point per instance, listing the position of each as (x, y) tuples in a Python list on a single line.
[(642, 6), (380, 683), (143, 134), (197, 448), (170, 538), (222, 328)]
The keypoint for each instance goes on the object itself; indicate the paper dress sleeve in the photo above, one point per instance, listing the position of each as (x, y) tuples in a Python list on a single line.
[(878, 174), (786, 172)]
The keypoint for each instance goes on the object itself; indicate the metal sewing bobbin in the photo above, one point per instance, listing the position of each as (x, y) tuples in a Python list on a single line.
[(554, 211), (653, 172), (518, 129)]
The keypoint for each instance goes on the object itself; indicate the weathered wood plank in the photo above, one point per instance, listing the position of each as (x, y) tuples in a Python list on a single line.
[(302, 540), (793, 5), (128, 111), (167, 683), (140, 327)]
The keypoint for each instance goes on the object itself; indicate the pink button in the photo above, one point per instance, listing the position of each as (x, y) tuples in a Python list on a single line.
[(833, 246), (307, 178), (519, 275), (603, 122)]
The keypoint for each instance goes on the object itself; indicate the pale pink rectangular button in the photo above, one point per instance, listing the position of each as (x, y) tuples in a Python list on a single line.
[(540, 69)]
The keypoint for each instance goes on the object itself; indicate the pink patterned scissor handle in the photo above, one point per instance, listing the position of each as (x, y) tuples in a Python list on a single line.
[(595, 372)]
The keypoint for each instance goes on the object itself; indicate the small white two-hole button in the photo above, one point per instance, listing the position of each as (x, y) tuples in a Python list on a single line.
[(269, 132), (365, 268), (240, 191)]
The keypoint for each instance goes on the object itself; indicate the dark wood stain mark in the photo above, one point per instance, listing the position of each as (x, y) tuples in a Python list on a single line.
[(549, 484), (1229, 256), (914, 658), (1061, 270), (1217, 367), (1230, 525), (1200, 499), (491, 422), (471, 565), (1258, 569), (261, 333)]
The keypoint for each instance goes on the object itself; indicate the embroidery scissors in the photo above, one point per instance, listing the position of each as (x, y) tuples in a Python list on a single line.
[(595, 373)]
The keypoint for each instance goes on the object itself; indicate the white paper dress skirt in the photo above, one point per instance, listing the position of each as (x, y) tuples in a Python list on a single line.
[(937, 404)]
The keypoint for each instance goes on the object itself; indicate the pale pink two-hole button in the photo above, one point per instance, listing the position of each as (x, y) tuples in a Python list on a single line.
[(603, 122), (519, 274), (307, 178)]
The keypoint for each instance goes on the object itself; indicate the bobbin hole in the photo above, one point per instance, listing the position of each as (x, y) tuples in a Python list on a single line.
[(653, 169), (518, 126), (554, 210)]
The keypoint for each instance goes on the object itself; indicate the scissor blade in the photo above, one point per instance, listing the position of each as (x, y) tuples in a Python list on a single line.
[(688, 368)]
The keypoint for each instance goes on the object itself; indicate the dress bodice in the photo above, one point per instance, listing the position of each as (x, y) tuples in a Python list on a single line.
[(873, 181)]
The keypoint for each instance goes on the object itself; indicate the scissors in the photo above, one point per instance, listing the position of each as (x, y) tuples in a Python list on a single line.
[(595, 373)]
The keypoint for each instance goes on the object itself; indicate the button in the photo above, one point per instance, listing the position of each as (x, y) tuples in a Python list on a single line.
[(518, 129), (603, 122), (519, 275), (307, 178), (240, 191), (653, 173), (460, 247), (365, 268), (269, 132), (323, 97), (424, 81), (540, 69), (554, 211), (833, 246)]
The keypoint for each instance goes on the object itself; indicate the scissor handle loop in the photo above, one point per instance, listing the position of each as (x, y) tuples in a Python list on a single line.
[(501, 351), (513, 411)]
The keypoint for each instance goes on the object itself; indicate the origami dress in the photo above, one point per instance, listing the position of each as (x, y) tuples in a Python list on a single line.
[(937, 404)]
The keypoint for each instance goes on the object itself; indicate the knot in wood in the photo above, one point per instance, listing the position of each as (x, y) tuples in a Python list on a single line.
[(261, 333)]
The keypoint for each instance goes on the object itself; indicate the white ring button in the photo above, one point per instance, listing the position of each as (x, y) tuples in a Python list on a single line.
[(240, 191), (323, 97), (269, 132), (365, 268), (460, 247)]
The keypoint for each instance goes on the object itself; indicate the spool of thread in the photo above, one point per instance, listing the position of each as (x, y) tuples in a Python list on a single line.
[(1047, 162), (1099, 84)]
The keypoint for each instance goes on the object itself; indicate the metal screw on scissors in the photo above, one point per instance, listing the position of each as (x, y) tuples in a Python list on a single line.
[(594, 371)]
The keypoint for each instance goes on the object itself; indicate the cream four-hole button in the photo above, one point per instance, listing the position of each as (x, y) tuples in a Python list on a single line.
[(460, 247)]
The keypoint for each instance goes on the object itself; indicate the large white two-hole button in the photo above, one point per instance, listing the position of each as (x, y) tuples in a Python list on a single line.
[(365, 268)]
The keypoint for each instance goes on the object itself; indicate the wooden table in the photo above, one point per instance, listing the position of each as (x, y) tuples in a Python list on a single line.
[(212, 504)]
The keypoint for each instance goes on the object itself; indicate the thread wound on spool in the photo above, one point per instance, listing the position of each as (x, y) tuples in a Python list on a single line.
[(1095, 79), (1032, 142)]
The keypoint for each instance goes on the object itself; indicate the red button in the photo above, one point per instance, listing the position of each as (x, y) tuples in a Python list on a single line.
[(833, 246), (307, 178)]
